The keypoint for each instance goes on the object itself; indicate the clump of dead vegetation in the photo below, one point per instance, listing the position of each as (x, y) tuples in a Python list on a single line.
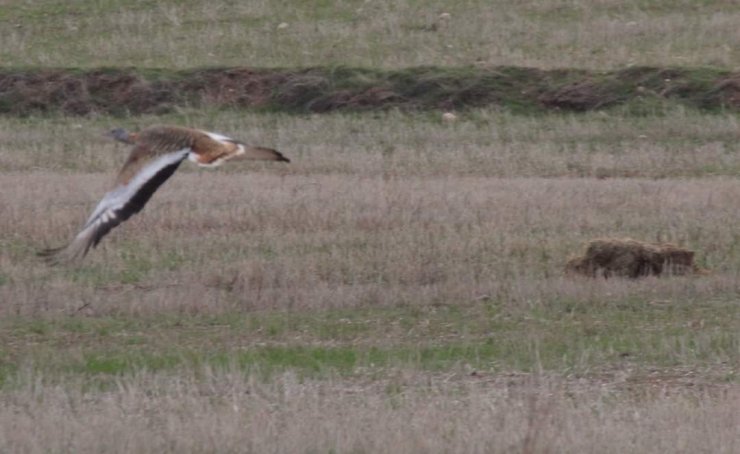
[(130, 91), (624, 257)]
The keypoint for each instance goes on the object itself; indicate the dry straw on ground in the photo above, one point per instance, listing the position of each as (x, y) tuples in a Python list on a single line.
[(367, 210), (408, 414), (390, 247), (382, 33), (624, 257)]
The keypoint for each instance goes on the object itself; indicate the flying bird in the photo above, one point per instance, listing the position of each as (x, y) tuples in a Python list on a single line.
[(158, 151)]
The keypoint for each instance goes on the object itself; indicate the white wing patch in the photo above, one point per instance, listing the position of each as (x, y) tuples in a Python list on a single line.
[(219, 137), (118, 197), (227, 141), (215, 163)]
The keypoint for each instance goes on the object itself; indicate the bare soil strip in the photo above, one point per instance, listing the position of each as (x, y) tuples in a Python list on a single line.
[(129, 91)]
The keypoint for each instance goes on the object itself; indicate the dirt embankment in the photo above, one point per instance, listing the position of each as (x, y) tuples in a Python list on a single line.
[(129, 91)]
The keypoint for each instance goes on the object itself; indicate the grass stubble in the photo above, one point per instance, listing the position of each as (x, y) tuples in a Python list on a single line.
[(230, 413), (399, 286), (386, 33)]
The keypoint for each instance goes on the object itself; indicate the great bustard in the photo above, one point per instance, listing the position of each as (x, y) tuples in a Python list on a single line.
[(157, 153)]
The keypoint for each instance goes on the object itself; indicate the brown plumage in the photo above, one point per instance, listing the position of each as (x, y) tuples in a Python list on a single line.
[(158, 151)]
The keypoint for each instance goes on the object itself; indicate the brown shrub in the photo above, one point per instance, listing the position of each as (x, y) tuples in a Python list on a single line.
[(632, 259)]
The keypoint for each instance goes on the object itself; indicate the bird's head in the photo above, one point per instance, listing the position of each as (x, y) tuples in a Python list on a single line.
[(120, 135)]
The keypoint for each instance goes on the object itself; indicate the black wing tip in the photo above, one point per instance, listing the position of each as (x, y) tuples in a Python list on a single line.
[(50, 255), (62, 255), (47, 252)]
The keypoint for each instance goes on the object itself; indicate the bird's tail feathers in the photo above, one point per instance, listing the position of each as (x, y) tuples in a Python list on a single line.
[(70, 253)]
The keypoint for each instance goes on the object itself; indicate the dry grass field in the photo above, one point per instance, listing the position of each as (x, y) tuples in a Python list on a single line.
[(594, 34), (398, 271), (399, 286)]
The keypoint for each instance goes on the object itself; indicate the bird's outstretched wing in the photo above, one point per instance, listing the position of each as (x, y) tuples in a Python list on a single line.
[(158, 152), (140, 177)]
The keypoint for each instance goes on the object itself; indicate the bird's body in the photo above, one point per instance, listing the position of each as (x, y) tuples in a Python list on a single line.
[(158, 152)]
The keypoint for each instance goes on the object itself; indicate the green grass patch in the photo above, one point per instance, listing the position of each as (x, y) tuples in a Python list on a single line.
[(558, 337)]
